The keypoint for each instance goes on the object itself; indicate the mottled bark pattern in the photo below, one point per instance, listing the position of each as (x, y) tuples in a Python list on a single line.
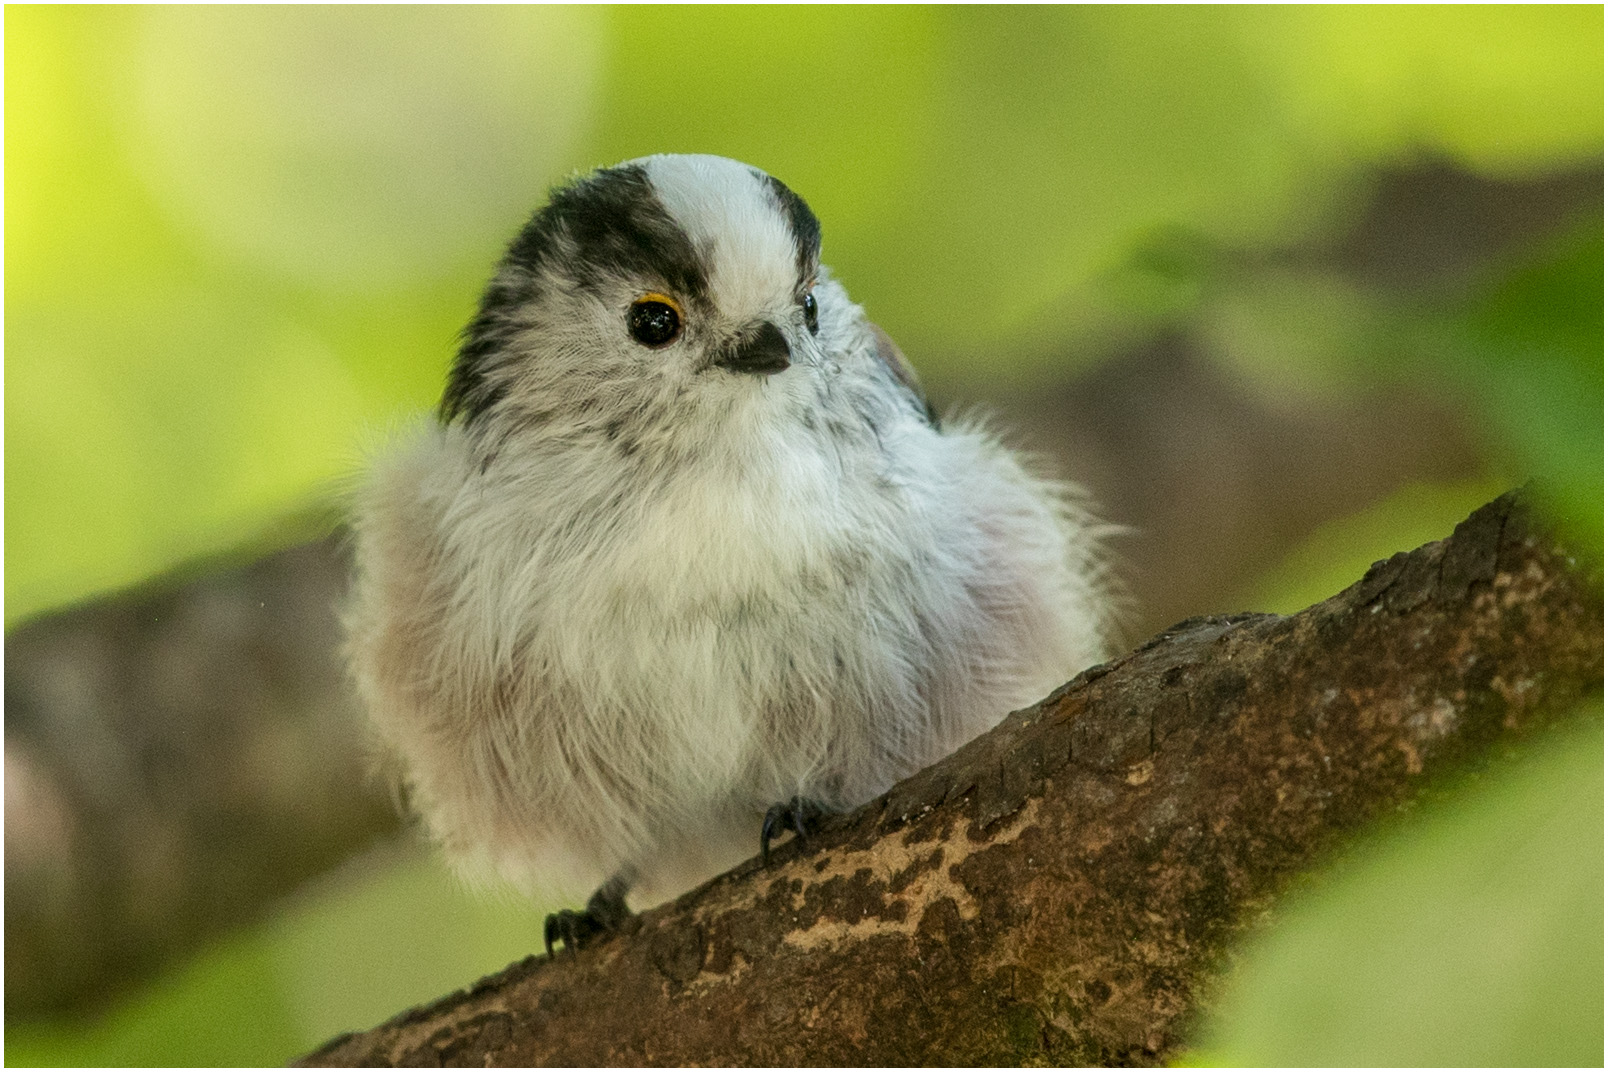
[(1062, 890)]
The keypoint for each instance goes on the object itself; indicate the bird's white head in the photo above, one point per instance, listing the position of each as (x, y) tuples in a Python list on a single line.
[(667, 289)]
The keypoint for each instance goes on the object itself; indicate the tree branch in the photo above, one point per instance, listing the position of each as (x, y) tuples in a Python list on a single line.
[(176, 757), (1062, 889)]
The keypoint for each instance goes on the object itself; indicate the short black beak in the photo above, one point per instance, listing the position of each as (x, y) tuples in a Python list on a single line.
[(763, 351)]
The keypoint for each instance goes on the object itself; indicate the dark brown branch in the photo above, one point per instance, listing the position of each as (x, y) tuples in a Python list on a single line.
[(1061, 889)]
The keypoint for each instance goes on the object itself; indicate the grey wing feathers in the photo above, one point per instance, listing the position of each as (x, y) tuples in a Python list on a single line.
[(889, 354)]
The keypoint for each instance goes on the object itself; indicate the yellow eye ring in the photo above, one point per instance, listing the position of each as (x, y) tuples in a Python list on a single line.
[(662, 299)]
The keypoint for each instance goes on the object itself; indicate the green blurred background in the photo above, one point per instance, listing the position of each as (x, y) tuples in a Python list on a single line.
[(240, 241)]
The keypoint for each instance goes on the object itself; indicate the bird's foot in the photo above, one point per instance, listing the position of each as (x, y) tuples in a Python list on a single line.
[(605, 914), (798, 815)]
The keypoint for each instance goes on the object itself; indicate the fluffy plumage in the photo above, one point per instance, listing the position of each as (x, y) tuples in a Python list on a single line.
[(618, 600)]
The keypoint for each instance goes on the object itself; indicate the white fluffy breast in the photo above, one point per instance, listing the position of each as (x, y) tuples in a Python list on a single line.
[(585, 679)]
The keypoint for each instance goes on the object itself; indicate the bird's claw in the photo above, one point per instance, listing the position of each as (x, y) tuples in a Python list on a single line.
[(605, 913), (797, 814), (569, 927)]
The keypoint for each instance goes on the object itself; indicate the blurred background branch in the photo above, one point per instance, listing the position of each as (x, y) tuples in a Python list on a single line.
[(1288, 289), (176, 760)]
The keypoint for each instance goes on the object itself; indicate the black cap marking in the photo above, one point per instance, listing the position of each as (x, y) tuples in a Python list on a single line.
[(801, 221)]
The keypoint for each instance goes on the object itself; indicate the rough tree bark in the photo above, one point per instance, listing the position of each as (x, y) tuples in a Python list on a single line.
[(1062, 890)]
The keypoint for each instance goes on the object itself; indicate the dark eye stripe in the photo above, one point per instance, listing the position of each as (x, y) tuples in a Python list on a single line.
[(805, 227)]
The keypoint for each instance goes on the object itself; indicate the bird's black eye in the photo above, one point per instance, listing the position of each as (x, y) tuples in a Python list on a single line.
[(654, 320), (812, 313)]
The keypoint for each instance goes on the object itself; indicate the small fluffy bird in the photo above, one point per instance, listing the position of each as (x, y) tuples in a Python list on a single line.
[(687, 557)]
